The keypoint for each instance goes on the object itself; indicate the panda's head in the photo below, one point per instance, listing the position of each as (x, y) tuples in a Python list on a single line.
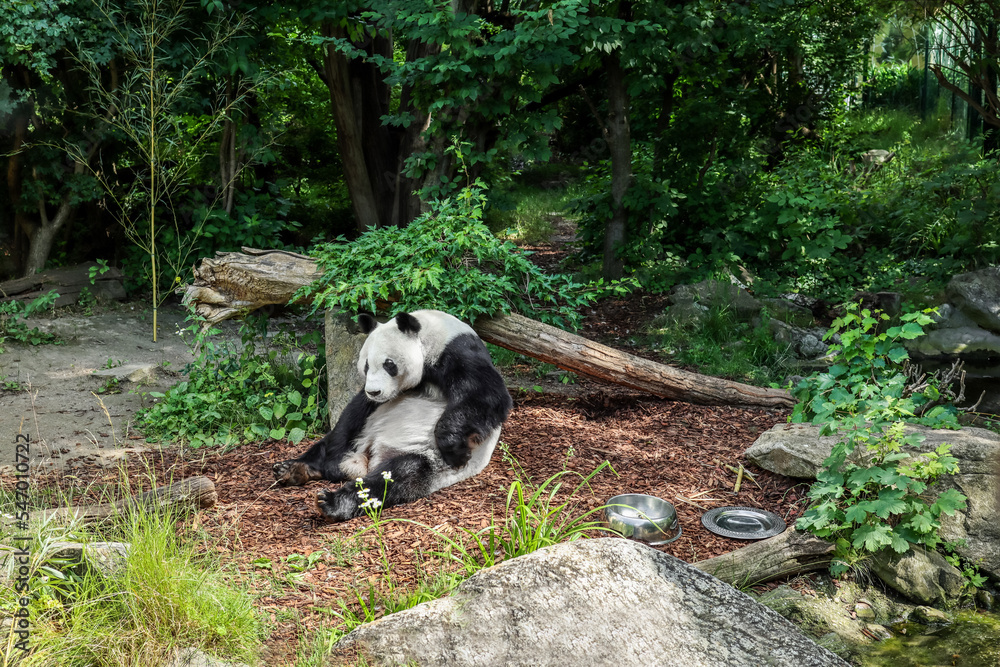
[(392, 358)]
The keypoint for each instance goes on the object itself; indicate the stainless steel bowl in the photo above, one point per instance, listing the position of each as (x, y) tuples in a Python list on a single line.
[(645, 518)]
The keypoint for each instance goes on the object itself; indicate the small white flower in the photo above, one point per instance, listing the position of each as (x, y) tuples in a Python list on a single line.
[(359, 481), (387, 475)]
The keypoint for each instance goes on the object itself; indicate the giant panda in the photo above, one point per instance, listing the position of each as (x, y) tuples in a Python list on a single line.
[(429, 416)]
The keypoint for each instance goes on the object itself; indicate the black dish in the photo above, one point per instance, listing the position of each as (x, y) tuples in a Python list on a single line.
[(743, 523)]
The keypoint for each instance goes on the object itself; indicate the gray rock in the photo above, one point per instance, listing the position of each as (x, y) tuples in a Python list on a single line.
[(949, 317), (821, 617), (919, 575), (137, 373), (686, 314), (793, 450), (864, 611), (811, 347), (984, 599), (596, 602), (929, 616), (192, 657), (718, 294), (965, 342), (108, 558), (797, 450), (789, 312), (343, 344), (977, 294), (806, 343)]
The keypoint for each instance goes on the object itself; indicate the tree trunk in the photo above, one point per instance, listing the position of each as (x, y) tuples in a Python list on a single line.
[(15, 172), (346, 111), (43, 233), (784, 555), (235, 283), (619, 143)]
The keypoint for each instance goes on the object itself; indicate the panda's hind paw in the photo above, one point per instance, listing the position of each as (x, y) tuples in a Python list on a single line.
[(335, 507), (294, 473)]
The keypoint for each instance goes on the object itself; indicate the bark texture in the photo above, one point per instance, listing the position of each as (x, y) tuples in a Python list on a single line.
[(784, 555), (235, 283)]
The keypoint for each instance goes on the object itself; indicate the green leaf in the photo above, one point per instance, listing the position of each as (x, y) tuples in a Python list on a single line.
[(950, 501), (872, 538)]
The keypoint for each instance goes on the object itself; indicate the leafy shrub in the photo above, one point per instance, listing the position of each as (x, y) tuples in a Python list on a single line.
[(237, 395), (870, 493), (446, 259), (13, 325)]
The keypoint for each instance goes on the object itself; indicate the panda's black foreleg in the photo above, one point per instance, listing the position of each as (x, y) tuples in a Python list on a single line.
[(322, 460), (408, 478), (464, 425)]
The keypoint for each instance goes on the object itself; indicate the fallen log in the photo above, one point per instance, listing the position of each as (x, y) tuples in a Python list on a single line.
[(236, 283), (192, 493), (586, 357), (69, 282), (791, 553)]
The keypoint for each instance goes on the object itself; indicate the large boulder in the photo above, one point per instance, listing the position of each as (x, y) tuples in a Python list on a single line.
[(797, 450), (920, 575), (844, 619), (977, 295), (718, 294), (344, 339), (592, 602), (973, 343)]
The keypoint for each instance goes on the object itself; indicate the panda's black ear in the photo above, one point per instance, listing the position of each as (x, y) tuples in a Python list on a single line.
[(407, 323), (367, 322)]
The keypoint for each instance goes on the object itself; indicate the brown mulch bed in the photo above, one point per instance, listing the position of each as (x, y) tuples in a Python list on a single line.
[(672, 450)]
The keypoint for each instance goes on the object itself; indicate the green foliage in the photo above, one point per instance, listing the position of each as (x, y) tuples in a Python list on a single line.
[(537, 516), (867, 381), (723, 346), (164, 596), (525, 213), (262, 389), (13, 325), (446, 259), (98, 269), (872, 490)]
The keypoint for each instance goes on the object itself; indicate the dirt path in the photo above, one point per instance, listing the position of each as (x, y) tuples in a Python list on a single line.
[(76, 399)]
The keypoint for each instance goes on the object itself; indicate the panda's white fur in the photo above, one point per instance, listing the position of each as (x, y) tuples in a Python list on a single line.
[(405, 425), (410, 352), (429, 415)]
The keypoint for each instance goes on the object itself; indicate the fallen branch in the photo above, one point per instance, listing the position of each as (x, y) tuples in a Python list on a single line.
[(788, 554), (192, 493), (236, 283)]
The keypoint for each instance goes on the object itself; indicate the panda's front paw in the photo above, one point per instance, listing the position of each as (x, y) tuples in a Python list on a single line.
[(294, 473), (455, 452), (336, 506)]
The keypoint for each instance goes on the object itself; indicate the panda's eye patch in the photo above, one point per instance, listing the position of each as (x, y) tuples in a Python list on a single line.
[(390, 367)]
